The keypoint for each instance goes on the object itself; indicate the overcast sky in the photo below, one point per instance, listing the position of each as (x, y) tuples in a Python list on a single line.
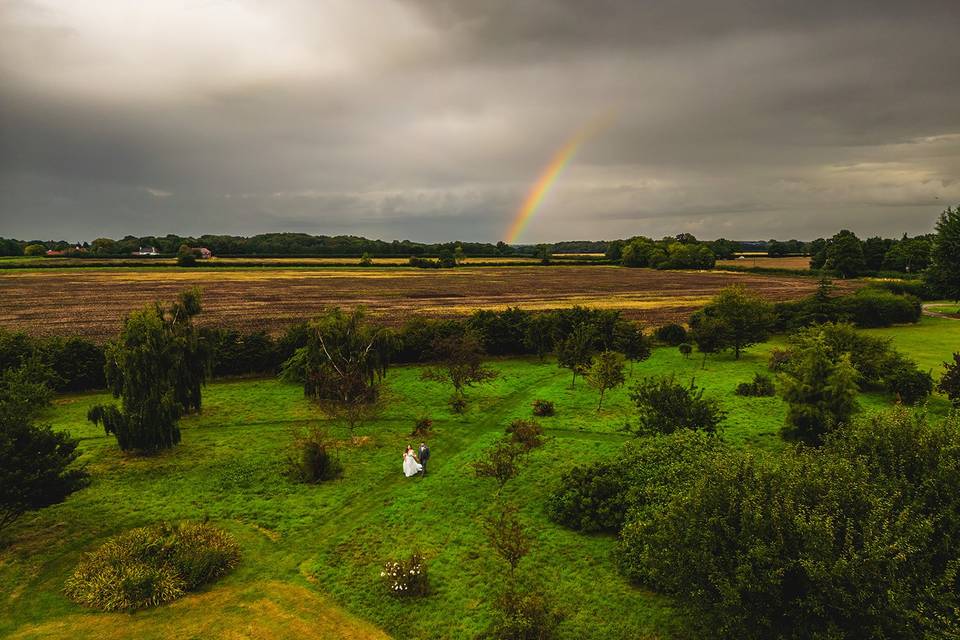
[(431, 119)]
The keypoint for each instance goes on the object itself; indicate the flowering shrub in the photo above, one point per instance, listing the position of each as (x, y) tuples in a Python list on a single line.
[(406, 578)]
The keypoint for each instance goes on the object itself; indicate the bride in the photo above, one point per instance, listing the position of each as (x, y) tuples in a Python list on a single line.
[(411, 466)]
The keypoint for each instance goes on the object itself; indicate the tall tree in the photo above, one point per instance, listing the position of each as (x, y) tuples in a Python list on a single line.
[(539, 334), (576, 352), (944, 270), (821, 394), (157, 369), (845, 254)]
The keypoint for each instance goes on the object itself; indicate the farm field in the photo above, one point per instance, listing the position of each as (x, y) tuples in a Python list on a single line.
[(797, 263), (312, 554), (93, 302), (40, 262)]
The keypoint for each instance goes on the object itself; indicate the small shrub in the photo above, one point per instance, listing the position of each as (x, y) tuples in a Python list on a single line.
[(422, 427), (310, 459), (949, 384), (543, 408), (500, 462), (523, 615), (671, 334), (685, 349), (761, 386), (406, 578), (779, 359), (149, 566), (526, 433), (457, 403)]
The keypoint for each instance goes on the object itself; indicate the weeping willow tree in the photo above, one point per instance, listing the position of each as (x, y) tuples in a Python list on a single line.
[(157, 368), (343, 363)]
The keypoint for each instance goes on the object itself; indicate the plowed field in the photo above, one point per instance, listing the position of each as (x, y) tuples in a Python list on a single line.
[(93, 302)]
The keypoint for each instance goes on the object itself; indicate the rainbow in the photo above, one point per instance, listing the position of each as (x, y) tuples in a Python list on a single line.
[(548, 177)]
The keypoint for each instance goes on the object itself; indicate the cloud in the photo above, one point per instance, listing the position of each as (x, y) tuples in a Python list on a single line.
[(430, 119)]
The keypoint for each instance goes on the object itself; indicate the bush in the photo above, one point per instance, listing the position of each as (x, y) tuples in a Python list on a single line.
[(761, 386), (521, 614), (310, 459), (671, 334), (917, 288), (666, 406), (422, 427), (406, 578), (149, 566), (643, 476), (457, 403), (779, 359), (908, 383), (526, 433), (875, 308), (543, 408), (950, 382), (856, 540)]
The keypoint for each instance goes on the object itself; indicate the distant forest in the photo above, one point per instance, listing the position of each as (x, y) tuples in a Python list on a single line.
[(904, 254)]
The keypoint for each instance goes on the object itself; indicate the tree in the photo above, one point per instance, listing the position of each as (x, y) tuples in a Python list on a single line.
[(543, 253), (186, 257), (539, 334), (36, 463), (606, 373), (944, 271), (366, 260), (458, 255), (666, 406), (874, 251), (506, 535), (501, 462), (821, 394), (34, 250), (845, 254), (459, 362), (709, 334), (747, 317), (157, 369), (629, 339), (576, 352), (950, 382), (343, 363)]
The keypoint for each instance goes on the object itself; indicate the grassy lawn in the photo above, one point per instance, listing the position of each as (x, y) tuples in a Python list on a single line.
[(312, 555)]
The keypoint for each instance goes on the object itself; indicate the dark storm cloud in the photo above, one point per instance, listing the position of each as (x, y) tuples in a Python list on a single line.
[(429, 120)]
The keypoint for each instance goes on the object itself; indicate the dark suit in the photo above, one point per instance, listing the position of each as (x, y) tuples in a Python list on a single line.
[(424, 455)]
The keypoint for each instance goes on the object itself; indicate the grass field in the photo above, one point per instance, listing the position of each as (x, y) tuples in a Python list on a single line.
[(93, 302), (312, 555)]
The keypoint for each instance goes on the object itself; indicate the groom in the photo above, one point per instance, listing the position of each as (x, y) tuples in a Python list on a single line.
[(424, 455)]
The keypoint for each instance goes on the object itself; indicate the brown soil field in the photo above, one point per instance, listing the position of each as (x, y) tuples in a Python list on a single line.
[(93, 302), (799, 263)]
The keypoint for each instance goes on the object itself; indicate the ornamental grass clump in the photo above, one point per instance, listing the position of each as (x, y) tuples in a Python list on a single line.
[(406, 578), (152, 565)]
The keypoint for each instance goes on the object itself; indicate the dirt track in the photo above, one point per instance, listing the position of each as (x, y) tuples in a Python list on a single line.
[(92, 303)]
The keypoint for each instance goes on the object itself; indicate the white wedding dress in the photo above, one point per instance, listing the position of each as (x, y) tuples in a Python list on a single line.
[(410, 465)]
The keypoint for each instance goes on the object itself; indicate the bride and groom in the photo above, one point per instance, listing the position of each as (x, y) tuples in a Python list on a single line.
[(414, 463)]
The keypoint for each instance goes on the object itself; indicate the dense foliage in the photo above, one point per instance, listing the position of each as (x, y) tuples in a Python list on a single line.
[(858, 539), (944, 272), (156, 368), (152, 565), (761, 385), (665, 406), (69, 364), (738, 319), (36, 463), (604, 495)]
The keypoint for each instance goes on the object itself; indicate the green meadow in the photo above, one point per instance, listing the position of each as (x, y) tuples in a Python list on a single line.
[(312, 554)]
